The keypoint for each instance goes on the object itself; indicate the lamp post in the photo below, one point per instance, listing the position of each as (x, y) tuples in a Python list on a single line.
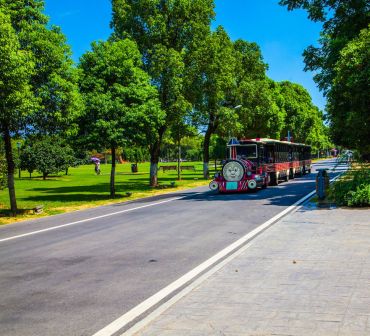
[(19, 159)]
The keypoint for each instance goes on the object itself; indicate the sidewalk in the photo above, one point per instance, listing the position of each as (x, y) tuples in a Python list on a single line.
[(308, 274)]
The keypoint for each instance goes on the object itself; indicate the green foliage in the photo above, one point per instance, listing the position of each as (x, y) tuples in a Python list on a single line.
[(342, 21), (341, 66), (54, 84), (259, 115), (136, 154), (211, 77), (38, 86), (360, 197), (121, 105), (17, 101), (16, 69), (171, 23), (353, 189), (48, 156), (28, 159), (348, 100), (165, 31), (302, 119), (218, 147), (212, 82)]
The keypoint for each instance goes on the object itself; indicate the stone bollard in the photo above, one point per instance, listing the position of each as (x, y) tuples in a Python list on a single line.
[(322, 183)]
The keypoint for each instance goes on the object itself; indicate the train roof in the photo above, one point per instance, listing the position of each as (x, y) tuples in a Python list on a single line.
[(235, 142)]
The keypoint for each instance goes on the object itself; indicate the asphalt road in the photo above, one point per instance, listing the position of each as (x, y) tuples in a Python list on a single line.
[(76, 279)]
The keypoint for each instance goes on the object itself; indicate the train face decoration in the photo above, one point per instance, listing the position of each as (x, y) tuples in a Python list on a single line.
[(257, 163)]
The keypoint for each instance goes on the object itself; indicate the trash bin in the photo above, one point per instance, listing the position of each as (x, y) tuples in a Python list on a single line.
[(322, 183), (134, 168)]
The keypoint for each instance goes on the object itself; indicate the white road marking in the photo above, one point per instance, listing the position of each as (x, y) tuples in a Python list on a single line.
[(90, 219), (126, 318), (235, 248)]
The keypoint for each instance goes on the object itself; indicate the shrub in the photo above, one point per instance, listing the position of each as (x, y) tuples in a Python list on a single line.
[(353, 189), (360, 197), (48, 156)]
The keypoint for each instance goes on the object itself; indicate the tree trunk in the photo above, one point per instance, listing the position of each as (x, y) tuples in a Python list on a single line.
[(207, 138), (178, 160), (44, 176), (10, 170), (154, 159), (113, 174)]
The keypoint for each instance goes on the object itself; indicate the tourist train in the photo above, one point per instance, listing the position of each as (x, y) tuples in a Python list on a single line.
[(257, 163)]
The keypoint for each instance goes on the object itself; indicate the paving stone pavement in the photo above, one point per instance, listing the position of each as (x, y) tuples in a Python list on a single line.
[(309, 274)]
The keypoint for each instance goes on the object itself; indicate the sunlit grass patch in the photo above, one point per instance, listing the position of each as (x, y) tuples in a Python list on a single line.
[(82, 188)]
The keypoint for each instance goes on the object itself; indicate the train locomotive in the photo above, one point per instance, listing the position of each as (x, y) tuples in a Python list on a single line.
[(258, 163)]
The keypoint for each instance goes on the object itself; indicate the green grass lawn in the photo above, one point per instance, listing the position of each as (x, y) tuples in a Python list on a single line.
[(81, 188)]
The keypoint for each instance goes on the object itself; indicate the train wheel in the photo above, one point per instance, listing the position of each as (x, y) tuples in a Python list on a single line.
[(274, 179), (265, 184)]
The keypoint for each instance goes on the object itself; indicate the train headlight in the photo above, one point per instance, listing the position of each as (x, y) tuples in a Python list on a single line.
[(249, 173), (233, 171), (252, 184)]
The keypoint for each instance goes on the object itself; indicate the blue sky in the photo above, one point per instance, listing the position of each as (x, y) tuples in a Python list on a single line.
[(282, 35)]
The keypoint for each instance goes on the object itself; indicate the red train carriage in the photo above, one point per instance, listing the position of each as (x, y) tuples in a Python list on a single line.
[(257, 163)]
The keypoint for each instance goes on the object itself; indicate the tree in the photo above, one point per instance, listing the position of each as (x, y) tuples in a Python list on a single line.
[(348, 100), (54, 84), (49, 155), (218, 149), (341, 56), (342, 21), (28, 159), (136, 154), (212, 79), (258, 115), (302, 119), (191, 147), (45, 96), (164, 31), (178, 131), (121, 105), (16, 98)]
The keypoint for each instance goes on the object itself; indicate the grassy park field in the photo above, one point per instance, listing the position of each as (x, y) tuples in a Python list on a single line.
[(82, 188)]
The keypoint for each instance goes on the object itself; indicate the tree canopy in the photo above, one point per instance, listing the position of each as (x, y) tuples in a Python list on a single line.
[(49, 155), (164, 31), (348, 100), (341, 67), (121, 104), (16, 69), (342, 21), (212, 82), (40, 91)]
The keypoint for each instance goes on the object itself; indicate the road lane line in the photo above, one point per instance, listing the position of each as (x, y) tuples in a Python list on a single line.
[(231, 250), (89, 219)]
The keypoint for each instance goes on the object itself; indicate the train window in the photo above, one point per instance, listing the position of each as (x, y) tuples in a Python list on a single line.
[(246, 151)]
